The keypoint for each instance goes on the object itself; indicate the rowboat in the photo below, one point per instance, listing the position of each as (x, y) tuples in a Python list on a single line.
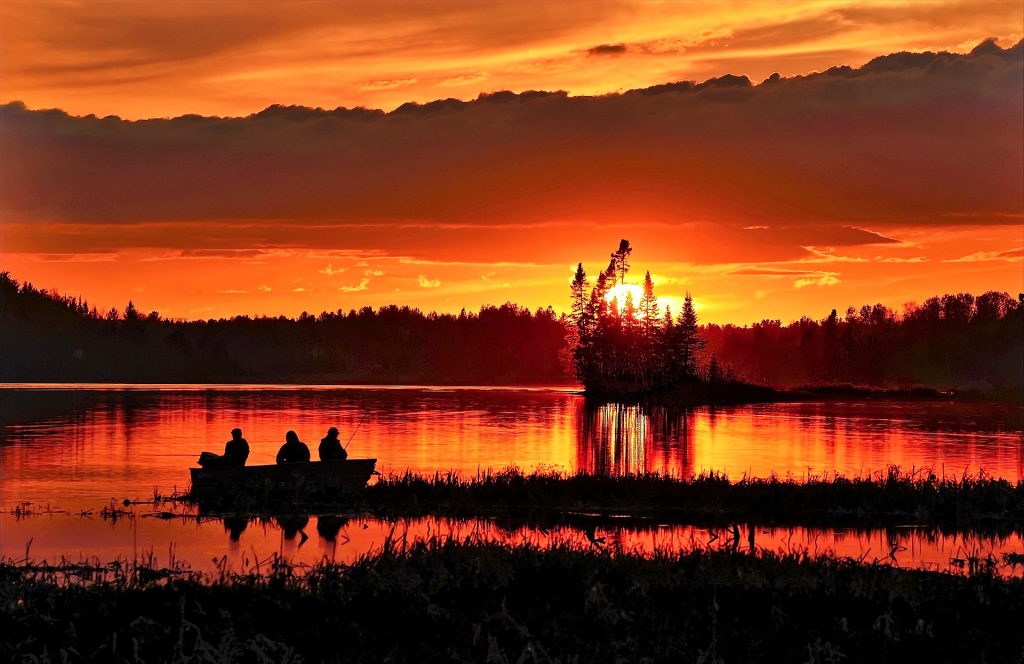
[(315, 478)]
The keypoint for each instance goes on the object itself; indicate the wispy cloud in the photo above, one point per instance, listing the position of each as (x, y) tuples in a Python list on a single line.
[(823, 280), (363, 284), (388, 84), (897, 259), (1011, 256), (428, 283), (330, 270)]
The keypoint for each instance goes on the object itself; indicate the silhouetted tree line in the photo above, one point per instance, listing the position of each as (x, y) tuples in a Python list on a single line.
[(948, 341), (634, 348), (953, 340), (49, 336)]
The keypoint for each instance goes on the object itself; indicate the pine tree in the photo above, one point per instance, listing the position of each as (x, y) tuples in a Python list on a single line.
[(578, 313), (630, 324), (714, 371), (620, 260), (611, 272), (649, 309), (688, 343), (664, 352), (130, 312)]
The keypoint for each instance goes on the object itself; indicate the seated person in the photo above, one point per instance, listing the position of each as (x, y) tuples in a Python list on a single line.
[(236, 451), (293, 450), (330, 447)]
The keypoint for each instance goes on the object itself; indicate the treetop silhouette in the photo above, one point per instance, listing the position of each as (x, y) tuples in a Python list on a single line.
[(633, 349)]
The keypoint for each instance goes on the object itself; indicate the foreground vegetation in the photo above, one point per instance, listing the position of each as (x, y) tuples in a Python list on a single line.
[(967, 503), (468, 601)]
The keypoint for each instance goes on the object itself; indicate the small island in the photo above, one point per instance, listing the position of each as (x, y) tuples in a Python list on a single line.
[(625, 347)]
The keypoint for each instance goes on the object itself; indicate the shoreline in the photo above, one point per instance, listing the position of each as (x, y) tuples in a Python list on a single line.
[(686, 397), (975, 504)]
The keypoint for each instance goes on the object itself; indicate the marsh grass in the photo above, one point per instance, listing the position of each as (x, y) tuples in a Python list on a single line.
[(918, 496), (967, 503), (445, 599)]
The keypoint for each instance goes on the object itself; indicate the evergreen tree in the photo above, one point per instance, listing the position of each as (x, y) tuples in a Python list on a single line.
[(620, 260), (611, 273), (714, 370), (649, 309), (633, 348), (665, 350), (578, 313), (689, 342), (630, 324)]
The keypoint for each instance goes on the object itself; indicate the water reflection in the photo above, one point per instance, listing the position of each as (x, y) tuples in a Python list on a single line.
[(209, 544), (618, 439), (83, 447)]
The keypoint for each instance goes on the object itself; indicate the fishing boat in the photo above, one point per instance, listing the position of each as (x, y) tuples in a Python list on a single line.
[(314, 478)]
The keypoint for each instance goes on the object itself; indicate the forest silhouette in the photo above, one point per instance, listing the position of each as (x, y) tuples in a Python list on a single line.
[(626, 347), (948, 341), (633, 348)]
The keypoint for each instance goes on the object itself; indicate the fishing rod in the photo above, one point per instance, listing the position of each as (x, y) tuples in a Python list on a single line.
[(355, 430)]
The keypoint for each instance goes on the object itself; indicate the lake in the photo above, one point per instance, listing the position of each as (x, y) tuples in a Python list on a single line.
[(69, 450)]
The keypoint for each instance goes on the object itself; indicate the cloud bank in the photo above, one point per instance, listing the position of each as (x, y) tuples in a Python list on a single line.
[(910, 138)]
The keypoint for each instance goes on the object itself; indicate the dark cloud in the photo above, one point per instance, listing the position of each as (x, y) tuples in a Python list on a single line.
[(907, 139), (607, 49)]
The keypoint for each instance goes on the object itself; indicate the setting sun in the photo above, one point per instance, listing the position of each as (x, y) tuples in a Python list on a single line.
[(621, 292)]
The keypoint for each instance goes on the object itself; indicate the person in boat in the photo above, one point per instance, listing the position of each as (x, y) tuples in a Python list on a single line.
[(330, 447), (293, 450), (236, 451)]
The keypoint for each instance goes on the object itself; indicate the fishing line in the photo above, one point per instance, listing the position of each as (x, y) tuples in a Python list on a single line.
[(355, 430)]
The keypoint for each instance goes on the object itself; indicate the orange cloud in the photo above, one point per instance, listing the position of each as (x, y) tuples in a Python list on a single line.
[(886, 180), (158, 59)]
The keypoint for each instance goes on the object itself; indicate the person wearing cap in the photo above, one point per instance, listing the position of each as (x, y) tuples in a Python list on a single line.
[(236, 451), (330, 447)]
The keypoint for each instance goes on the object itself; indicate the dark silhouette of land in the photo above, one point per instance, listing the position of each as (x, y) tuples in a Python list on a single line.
[(52, 337), (634, 349), (449, 599), (957, 341)]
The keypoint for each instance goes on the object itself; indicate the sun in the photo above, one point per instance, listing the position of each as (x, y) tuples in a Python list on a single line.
[(621, 291)]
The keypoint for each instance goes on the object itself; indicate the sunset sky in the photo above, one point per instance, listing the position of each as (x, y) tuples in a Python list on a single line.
[(848, 178)]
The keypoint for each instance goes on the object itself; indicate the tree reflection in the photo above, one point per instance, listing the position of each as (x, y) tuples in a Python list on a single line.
[(620, 439)]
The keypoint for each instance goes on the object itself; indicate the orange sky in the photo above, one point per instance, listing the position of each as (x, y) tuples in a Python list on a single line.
[(889, 183)]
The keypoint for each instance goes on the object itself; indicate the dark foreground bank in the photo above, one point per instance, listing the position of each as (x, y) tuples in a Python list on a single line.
[(452, 601), (967, 503)]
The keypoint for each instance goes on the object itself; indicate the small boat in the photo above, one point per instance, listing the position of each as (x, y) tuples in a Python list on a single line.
[(314, 478)]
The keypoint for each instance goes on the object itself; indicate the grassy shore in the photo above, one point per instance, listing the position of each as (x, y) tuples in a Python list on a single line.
[(467, 601), (968, 503)]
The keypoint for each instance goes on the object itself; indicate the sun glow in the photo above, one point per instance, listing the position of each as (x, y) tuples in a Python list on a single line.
[(620, 292)]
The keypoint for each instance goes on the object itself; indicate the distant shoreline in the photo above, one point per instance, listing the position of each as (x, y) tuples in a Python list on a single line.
[(727, 394), (688, 396)]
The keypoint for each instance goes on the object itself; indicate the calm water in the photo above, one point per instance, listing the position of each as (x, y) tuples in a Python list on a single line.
[(76, 450)]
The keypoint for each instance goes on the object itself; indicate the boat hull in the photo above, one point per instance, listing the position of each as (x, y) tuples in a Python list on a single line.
[(315, 478)]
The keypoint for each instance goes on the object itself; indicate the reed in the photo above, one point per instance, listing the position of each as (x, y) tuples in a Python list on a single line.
[(966, 502), (464, 600)]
